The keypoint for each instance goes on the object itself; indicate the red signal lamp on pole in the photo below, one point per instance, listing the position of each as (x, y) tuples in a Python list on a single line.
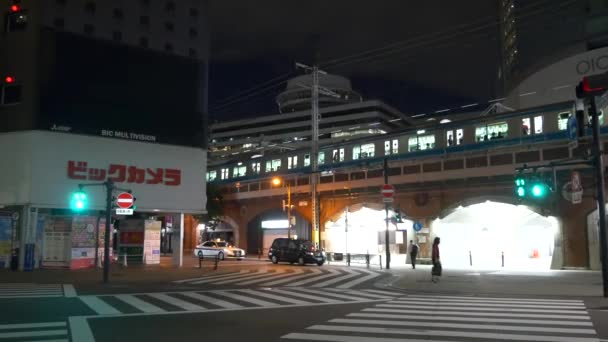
[(15, 8), (9, 79)]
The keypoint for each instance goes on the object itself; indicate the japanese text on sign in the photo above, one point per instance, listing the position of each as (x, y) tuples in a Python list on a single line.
[(124, 173)]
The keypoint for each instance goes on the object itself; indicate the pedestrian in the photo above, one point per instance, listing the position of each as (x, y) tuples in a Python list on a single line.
[(413, 253), (436, 270)]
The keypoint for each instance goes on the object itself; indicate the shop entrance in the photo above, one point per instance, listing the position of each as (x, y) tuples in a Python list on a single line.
[(480, 234)]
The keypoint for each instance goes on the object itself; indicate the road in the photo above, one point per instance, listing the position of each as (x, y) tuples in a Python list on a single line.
[(287, 303)]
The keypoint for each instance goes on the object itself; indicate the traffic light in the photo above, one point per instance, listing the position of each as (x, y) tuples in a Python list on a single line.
[(16, 18), (398, 216), (531, 187), (539, 189), (10, 90), (79, 201), (520, 186), (594, 85)]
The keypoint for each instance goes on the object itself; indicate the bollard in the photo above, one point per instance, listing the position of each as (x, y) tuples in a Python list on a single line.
[(124, 260), (380, 256), (503, 258), (347, 259), (470, 258), (367, 260), (217, 260)]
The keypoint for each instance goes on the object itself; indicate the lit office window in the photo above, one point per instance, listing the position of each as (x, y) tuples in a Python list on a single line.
[(562, 121), (273, 165), (292, 162), (256, 168), (421, 142), (526, 127), (225, 173), (492, 131), (321, 158), (338, 155), (538, 124), (239, 171), (306, 160), (211, 176)]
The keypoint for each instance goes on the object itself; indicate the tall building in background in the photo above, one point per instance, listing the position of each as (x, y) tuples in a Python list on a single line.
[(537, 33), (86, 66)]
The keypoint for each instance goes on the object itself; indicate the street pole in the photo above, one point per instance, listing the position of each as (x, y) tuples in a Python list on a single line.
[(289, 211), (106, 243), (315, 153), (386, 235), (601, 192), (346, 227)]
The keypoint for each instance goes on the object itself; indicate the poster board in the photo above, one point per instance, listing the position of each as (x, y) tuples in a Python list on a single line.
[(152, 242), (83, 242), (6, 224)]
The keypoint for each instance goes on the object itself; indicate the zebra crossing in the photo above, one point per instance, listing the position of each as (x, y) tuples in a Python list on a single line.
[(48, 332), (31, 290), (416, 318), (345, 278), (201, 301)]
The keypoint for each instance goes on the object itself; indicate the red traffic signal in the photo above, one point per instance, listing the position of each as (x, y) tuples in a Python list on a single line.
[(9, 79), (15, 8), (592, 86)]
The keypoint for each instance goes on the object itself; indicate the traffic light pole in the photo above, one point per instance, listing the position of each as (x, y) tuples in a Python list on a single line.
[(386, 234), (601, 192)]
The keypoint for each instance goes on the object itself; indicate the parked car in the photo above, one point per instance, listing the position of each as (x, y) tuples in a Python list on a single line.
[(300, 251), (220, 248)]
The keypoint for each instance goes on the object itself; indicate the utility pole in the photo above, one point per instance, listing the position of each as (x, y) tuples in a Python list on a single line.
[(289, 210), (386, 234)]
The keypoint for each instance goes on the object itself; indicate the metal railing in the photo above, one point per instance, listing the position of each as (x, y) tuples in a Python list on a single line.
[(202, 257), (355, 258)]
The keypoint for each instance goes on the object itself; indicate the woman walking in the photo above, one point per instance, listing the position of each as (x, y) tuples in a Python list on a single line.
[(436, 271)]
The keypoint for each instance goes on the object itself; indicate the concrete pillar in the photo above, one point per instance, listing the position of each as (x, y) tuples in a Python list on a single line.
[(178, 242)]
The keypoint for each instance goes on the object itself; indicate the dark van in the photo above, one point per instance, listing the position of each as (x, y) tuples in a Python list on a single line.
[(290, 250)]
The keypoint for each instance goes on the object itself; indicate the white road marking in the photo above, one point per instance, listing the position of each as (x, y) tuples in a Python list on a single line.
[(359, 293), (98, 305), (500, 298), (331, 294), (247, 277), (245, 298), (274, 277), (34, 333), (275, 297), (211, 300), (336, 338), (388, 293), (483, 314), (69, 290), (358, 281), (494, 305), (307, 296), (80, 330), (233, 276), (138, 303), (283, 281), (467, 308), (338, 279), (208, 277), (176, 302), (330, 273), (32, 325)]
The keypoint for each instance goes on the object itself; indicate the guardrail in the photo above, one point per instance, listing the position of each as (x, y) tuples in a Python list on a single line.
[(215, 258), (355, 258)]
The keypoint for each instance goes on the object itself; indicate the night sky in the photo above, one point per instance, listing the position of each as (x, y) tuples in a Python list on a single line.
[(445, 52)]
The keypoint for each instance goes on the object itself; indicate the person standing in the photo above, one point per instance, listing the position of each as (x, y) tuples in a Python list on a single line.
[(413, 253), (436, 271)]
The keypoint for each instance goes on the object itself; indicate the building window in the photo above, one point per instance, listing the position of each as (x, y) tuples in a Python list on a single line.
[(256, 168), (453, 141), (117, 36), (168, 47), (239, 171), (363, 151), (143, 42), (421, 143), (538, 124), (292, 162), (492, 131), (321, 159), (338, 155), (194, 12), (225, 173), (90, 7), (273, 165), (89, 29), (562, 121), (306, 160), (144, 20), (526, 126), (170, 7), (59, 23), (118, 14), (192, 53), (459, 136), (211, 176), (169, 27), (449, 135), (193, 32), (391, 147)]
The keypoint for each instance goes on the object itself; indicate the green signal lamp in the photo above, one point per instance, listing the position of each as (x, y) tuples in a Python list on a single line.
[(79, 201), (520, 187), (539, 190)]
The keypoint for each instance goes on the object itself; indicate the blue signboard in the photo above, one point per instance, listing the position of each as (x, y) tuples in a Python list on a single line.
[(572, 128), (417, 226)]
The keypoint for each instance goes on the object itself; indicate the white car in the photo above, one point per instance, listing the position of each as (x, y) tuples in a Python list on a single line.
[(220, 248)]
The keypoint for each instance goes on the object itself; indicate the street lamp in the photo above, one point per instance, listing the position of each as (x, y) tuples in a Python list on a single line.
[(277, 181)]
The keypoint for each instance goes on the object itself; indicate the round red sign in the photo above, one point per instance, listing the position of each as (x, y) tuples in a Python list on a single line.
[(124, 200), (388, 190)]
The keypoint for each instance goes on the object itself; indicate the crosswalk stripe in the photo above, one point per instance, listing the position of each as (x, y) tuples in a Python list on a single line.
[(247, 277), (206, 277), (298, 277), (139, 304), (274, 277), (359, 293), (336, 338), (358, 281), (464, 326), (45, 340), (35, 333), (211, 300), (445, 333), (244, 298), (32, 325), (275, 297), (494, 305), (433, 317), (307, 296), (330, 294), (330, 273), (32, 296), (434, 300), (177, 302), (464, 307), (338, 279), (483, 314), (499, 298), (225, 277), (98, 305), (388, 293)]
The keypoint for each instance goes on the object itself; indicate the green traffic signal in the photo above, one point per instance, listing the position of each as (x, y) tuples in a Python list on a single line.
[(539, 190), (521, 191), (79, 201)]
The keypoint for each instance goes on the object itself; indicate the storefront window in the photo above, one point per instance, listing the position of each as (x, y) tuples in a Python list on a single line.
[(292, 162), (211, 176), (239, 171), (225, 173), (421, 143), (492, 131), (255, 168), (273, 165)]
